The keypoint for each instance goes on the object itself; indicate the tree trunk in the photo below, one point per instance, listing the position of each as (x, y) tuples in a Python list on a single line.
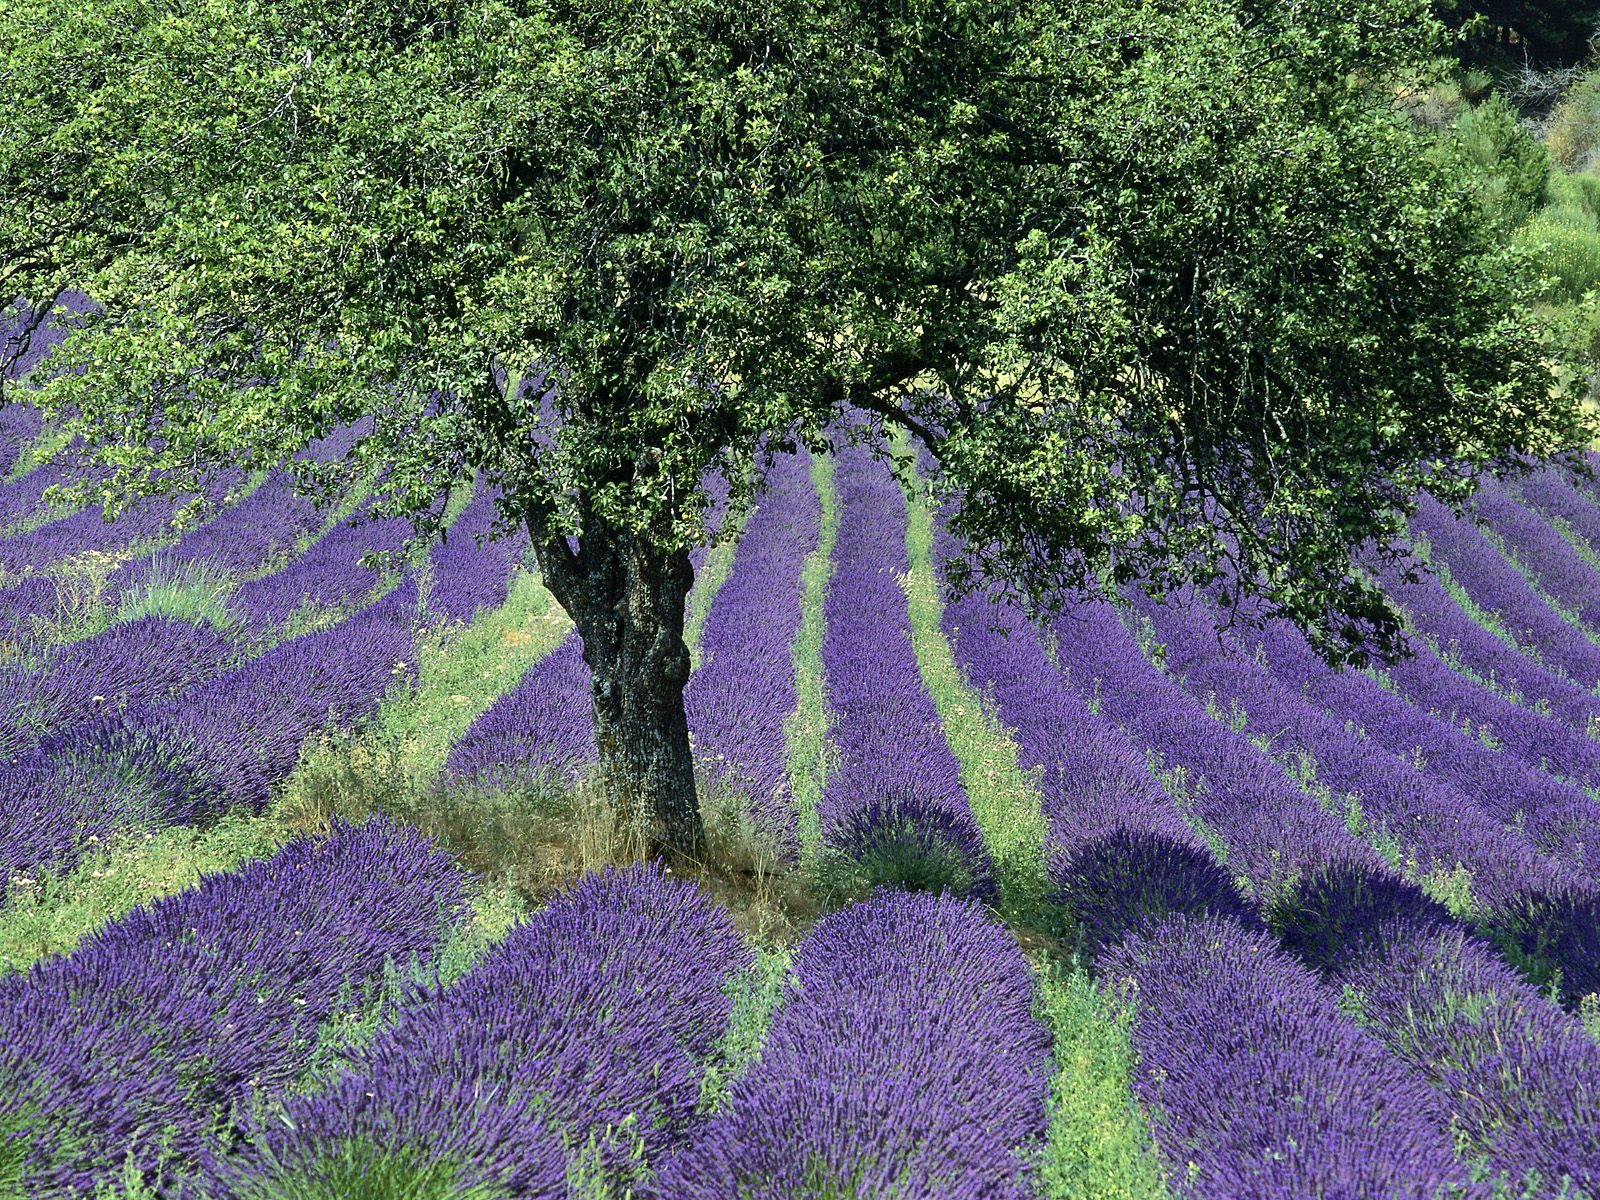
[(627, 598)]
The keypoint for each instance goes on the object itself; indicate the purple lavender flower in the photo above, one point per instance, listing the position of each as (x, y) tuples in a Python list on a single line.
[(128, 666), (19, 424), (903, 1062), (1455, 634), (539, 734), (1258, 1086), (328, 576), (1121, 854), (1557, 818), (148, 1039), (582, 1036), (1560, 571), (894, 801), (468, 571), (1271, 828), (1551, 493), (23, 350), (1532, 902), (87, 530)]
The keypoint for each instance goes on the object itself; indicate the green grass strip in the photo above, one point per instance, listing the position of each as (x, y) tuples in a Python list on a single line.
[(54, 911), (756, 995), (461, 672), (806, 731), (708, 582), (50, 439), (1098, 1145), (1004, 802), (1574, 539)]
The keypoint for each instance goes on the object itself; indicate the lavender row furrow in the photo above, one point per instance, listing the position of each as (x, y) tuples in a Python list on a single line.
[(88, 532), (1542, 740), (1559, 819), (583, 1035), (222, 743), (127, 666), (743, 691), (1501, 590), (1554, 496), (893, 799), (149, 1038), (1127, 867), (21, 498), (239, 542), (1311, 863), (1460, 641), (33, 607), (1258, 1086), (1376, 933), (1321, 916), (235, 542), (1121, 855), (1558, 569), (1529, 900), (539, 734), (903, 1061)]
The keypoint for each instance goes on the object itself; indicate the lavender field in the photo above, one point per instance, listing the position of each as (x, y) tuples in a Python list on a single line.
[(1138, 902)]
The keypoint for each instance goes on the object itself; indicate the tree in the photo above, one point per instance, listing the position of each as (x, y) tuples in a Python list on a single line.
[(1169, 289)]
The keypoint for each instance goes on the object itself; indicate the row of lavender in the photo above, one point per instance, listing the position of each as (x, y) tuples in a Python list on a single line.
[(175, 1047), (1267, 889), (160, 721)]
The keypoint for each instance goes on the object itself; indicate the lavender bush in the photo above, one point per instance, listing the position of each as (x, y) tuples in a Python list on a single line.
[(577, 1045), (1122, 855), (143, 1045), (904, 1063)]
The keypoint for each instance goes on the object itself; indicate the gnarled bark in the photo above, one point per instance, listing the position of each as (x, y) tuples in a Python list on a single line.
[(627, 597)]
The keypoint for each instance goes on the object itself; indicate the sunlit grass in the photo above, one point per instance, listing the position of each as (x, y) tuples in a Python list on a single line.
[(1098, 1143), (806, 731), (1004, 802)]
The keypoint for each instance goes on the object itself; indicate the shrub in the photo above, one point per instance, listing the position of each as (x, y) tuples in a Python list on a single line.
[(1564, 244), (1572, 134), (1513, 166)]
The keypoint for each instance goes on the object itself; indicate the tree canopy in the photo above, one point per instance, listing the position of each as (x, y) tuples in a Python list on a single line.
[(1169, 288)]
